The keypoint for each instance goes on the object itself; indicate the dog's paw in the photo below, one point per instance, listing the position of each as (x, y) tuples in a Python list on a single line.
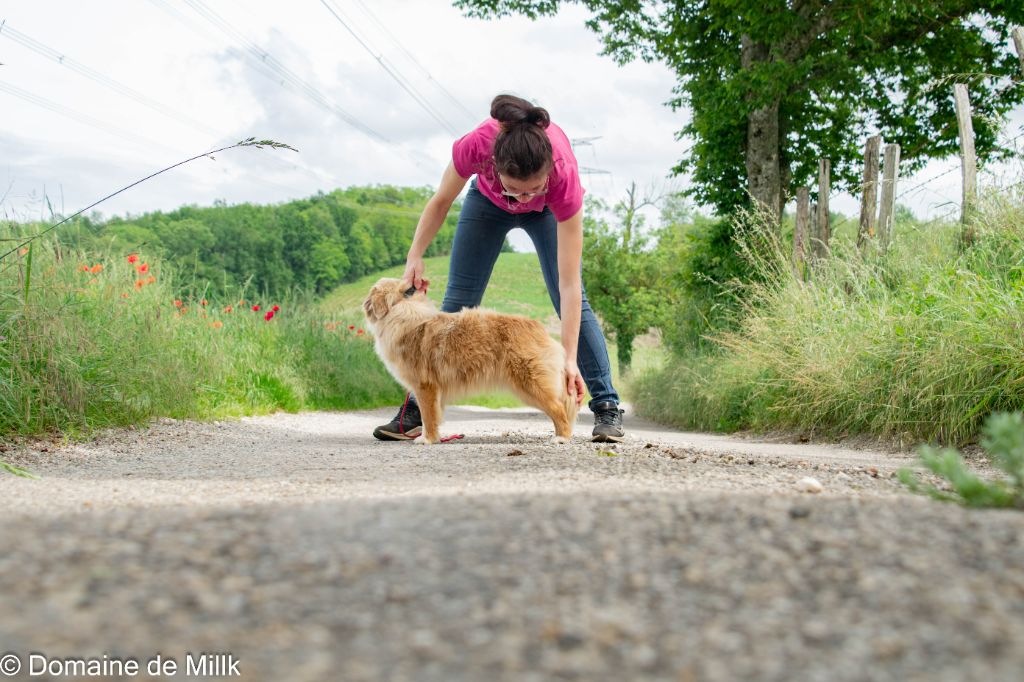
[(558, 440), (422, 440)]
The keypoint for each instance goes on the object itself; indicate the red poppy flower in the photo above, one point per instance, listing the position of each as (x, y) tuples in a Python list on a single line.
[(276, 308), (360, 332), (142, 268), (96, 268), (203, 302), (351, 327), (255, 308), (228, 309), (177, 303), (132, 258), (270, 314)]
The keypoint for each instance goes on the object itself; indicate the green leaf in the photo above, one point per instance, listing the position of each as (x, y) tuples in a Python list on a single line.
[(17, 471)]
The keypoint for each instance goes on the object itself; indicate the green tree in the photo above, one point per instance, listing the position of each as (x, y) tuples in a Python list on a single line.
[(620, 272), (328, 264), (775, 85)]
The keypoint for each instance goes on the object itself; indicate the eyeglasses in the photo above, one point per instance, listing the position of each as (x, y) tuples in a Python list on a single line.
[(517, 195)]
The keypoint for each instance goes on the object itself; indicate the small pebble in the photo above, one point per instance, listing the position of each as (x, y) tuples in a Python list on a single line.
[(809, 485)]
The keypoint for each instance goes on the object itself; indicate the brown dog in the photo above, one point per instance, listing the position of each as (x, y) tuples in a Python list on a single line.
[(443, 356)]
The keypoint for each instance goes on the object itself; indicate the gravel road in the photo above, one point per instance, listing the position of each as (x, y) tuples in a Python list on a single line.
[(309, 551)]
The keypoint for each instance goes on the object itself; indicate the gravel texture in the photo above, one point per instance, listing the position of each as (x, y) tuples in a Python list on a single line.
[(309, 551)]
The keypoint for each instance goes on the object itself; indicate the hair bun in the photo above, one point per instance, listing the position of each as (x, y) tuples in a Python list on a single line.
[(511, 111), (538, 116)]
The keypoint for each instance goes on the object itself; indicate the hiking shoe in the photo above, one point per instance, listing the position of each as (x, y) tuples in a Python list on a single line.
[(406, 425), (607, 423)]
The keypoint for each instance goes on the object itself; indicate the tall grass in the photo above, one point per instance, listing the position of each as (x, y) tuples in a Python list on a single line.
[(920, 343), (89, 341)]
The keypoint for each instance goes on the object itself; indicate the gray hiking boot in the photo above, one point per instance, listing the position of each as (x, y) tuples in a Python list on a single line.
[(607, 422)]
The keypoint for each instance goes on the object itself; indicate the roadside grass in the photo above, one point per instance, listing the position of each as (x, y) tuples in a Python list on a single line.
[(920, 344), (91, 340)]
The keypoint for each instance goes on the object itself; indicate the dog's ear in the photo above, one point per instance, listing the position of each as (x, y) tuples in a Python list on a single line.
[(376, 305), (379, 302)]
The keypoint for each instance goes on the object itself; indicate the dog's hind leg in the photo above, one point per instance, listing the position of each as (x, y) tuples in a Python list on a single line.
[(555, 409), (431, 411)]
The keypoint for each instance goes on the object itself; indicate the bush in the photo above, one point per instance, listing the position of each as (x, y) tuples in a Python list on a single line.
[(703, 266), (921, 343)]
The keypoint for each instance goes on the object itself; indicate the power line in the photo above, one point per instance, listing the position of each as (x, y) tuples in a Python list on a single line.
[(102, 79), (266, 64), (473, 118), (118, 132), (80, 117), (22, 39), (264, 60), (391, 70)]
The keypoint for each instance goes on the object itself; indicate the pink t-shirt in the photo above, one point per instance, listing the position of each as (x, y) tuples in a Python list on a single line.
[(474, 154)]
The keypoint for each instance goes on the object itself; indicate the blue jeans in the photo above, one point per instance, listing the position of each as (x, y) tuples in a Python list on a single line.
[(478, 240)]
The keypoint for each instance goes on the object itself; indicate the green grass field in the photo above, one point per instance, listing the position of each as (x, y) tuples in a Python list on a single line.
[(516, 286)]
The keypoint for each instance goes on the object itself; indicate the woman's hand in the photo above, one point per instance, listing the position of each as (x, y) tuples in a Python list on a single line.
[(574, 382), (414, 273)]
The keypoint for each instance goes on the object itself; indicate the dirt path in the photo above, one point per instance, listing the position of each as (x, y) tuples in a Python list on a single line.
[(309, 551)]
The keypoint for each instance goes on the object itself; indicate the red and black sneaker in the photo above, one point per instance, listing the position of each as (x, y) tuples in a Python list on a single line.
[(406, 425)]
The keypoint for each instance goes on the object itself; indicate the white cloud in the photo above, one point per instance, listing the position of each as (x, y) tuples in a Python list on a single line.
[(185, 62)]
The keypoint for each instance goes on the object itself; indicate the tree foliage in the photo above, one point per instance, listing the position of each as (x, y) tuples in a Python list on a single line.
[(818, 76), (311, 244), (620, 273)]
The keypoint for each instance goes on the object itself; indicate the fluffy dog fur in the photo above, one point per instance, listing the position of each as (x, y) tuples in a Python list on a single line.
[(443, 356)]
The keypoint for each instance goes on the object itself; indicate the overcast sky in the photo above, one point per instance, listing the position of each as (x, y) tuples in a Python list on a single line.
[(206, 72)]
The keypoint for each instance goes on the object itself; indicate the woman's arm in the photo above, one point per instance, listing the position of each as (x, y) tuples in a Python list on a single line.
[(570, 291), (433, 216)]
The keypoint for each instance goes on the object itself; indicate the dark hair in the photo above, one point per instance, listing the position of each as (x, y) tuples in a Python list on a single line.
[(522, 148)]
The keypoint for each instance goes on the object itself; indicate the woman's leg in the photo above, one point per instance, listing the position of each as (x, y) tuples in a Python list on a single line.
[(592, 353), (479, 237)]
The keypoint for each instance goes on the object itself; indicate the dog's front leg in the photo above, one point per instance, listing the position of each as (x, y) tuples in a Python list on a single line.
[(430, 410)]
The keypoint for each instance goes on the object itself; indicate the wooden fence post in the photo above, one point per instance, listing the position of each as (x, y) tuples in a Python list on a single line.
[(968, 158), (822, 232), (1018, 41), (869, 188), (801, 231), (890, 173)]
